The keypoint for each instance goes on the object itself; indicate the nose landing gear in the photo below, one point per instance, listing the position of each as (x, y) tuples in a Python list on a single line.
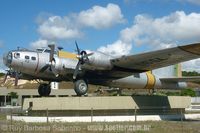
[(44, 89)]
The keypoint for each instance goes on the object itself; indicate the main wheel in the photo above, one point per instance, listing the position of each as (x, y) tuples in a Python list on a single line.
[(80, 87), (44, 90)]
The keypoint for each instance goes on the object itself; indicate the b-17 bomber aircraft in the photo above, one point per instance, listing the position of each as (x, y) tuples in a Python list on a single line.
[(93, 67)]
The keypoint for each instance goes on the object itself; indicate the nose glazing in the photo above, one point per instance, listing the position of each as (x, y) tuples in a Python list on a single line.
[(7, 59)]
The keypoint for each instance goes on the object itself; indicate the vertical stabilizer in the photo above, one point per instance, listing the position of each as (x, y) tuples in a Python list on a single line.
[(169, 71), (178, 70)]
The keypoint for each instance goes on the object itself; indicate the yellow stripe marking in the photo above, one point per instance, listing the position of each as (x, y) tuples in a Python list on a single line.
[(150, 80), (63, 54)]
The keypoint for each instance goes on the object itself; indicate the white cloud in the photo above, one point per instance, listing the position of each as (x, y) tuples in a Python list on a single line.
[(118, 48), (165, 32), (176, 27), (159, 33), (39, 43), (69, 27), (192, 65), (42, 17), (101, 17), (57, 27)]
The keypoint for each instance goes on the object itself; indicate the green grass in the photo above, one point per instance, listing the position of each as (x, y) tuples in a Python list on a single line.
[(2, 116)]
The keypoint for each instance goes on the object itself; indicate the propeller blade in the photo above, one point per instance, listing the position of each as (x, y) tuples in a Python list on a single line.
[(44, 68), (90, 54), (77, 48), (76, 71), (52, 47), (16, 78), (82, 58), (55, 72)]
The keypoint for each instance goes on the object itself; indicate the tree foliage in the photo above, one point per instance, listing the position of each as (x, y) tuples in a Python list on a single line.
[(193, 73), (13, 95), (188, 92), (184, 92), (2, 74)]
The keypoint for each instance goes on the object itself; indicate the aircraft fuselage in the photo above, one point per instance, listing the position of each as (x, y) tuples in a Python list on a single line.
[(31, 64)]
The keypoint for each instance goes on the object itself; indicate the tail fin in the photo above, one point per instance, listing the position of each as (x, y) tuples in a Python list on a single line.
[(178, 70), (170, 71)]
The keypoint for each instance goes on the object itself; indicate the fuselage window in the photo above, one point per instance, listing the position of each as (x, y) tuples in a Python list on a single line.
[(17, 55), (33, 58), (27, 57)]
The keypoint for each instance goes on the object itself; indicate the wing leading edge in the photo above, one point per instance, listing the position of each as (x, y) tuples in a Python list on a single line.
[(157, 59)]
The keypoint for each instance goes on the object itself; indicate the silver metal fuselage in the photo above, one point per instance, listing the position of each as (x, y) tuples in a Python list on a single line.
[(29, 64)]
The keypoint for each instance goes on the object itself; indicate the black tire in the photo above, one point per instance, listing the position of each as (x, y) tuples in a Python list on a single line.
[(80, 87), (44, 90)]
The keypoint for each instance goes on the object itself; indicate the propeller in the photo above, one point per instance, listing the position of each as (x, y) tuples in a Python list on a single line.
[(82, 59), (44, 68), (51, 63)]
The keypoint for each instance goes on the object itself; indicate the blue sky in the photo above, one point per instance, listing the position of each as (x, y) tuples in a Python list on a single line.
[(115, 27)]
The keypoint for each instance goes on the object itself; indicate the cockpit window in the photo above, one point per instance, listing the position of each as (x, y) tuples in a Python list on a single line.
[(27, 57), (17, 55), (40, 50), (45, 50), (33, 58)]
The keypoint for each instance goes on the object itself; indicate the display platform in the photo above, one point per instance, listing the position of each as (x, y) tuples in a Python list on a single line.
[(107, 105)]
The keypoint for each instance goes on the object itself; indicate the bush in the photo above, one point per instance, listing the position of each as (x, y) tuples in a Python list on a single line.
[(169, 93), (2, 74), (188, 92), (13, 95), (193, 73)]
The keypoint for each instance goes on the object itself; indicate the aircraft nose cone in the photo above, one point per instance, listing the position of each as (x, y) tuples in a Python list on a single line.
[(7, 59)]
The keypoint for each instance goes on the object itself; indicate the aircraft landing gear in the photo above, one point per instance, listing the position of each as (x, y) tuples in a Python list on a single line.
[(80, 87), (44, 89)]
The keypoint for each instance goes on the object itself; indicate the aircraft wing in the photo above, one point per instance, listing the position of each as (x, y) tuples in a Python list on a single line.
[(182, 79), (157, 59)]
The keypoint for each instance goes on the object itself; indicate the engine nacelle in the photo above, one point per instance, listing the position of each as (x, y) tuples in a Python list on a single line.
[(98, 61)]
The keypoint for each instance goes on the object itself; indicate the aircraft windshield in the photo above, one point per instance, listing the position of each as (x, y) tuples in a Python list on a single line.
[(45, 50), (40, 50)]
